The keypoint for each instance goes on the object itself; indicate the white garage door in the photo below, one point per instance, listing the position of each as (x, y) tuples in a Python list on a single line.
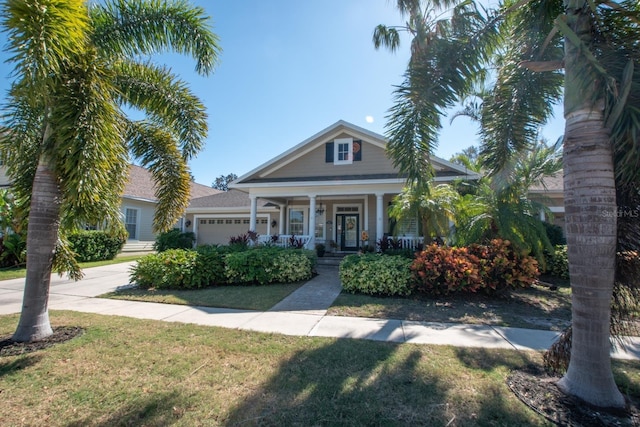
[(220, 230)]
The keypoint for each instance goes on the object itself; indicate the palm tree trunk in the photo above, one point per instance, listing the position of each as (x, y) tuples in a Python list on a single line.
[(42, 236), (591, 216)]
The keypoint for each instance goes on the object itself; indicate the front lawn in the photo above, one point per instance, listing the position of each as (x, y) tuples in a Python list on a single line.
[(537, 307), (258, 297), (139, 372)]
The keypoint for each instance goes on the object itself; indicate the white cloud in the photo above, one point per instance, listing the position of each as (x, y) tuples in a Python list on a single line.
[(369, 119)]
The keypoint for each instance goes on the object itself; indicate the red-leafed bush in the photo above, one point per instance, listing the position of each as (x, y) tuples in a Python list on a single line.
[(441, 270), (503, 267)]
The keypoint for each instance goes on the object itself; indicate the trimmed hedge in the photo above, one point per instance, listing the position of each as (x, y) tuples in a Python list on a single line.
[(95, 245), (218, 265), (179, 269), (265, 265), (376, 274)]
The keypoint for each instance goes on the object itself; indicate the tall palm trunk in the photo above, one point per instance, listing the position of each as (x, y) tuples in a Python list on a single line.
[(590, 213), (42, 236)]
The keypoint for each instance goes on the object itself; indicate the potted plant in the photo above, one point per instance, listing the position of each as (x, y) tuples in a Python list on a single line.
[(320, 249)]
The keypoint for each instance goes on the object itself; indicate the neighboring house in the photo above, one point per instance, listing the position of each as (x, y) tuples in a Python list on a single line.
[(551, 194), (334, 186), (139, 205)]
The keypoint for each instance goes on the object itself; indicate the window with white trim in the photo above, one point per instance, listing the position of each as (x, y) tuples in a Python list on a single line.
[(296, 221), (343, 151), (131, 222)]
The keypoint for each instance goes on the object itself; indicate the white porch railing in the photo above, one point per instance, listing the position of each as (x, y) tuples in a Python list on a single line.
[(406, 242), (285, 240)]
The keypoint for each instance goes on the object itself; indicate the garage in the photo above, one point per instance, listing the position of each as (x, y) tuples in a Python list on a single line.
[(218, 230)]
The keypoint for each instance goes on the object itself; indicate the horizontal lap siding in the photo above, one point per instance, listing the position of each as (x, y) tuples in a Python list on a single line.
[(313, 164)]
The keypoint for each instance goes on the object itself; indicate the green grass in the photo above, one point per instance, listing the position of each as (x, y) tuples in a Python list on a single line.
[(136, 372), (19, 273), (256, 297), (537, 307)]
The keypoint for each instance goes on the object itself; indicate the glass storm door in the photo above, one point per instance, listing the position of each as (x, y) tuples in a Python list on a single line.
[(347, 232)]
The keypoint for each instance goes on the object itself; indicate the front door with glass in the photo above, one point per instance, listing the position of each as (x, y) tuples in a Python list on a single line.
[(347, 231)]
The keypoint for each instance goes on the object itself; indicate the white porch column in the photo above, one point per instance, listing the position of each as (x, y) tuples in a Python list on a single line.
[(254, 212), (283, 209), (312, 222), (379, 216)]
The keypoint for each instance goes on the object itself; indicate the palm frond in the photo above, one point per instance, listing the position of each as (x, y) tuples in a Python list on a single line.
[(446, 63), (133, 28), (157, 150), (522, 100), (167, 101), (87, 137), (41, 34)]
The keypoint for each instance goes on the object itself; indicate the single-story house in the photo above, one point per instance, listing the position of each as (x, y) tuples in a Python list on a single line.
[(332, 188), (138, 206)]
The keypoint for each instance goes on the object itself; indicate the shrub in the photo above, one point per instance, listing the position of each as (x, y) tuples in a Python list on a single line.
[(179, 269), (376, 274), (265, 265), (558, 262), (441, 270), (96, 245), (502, 267), (555, 234), (13, 250), (174, 239)]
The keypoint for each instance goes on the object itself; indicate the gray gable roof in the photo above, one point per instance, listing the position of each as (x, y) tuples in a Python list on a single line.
[(226, 199), (140, 185)]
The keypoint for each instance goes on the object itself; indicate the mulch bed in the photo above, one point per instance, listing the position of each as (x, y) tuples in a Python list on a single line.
[(538, 390), (9, 347)]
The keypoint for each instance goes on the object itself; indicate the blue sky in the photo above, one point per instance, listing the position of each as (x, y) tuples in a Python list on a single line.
[(290, 68)]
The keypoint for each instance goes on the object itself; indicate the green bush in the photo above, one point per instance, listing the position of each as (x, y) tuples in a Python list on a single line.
[(376, 274), (555, 233), (174, 239), (265, 265), (13, 250), (179, 269), (95, 245), (558, 262)]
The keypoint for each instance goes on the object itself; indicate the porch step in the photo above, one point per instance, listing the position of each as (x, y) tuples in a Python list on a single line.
[(331, 259), (138, 246)]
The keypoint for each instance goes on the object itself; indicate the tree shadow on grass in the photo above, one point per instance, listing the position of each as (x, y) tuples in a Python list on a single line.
[(157, 409), (359, 383), (8, 368), (348, 382)]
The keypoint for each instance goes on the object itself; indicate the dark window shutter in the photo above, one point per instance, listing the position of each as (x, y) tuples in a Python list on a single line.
[(357, 151), (328, 152)]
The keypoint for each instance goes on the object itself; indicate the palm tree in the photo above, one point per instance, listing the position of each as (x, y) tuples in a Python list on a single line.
[(529, 43), (68, 140), (434, 206)]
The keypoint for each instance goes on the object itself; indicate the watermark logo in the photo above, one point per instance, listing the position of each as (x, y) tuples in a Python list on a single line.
[(621, 213)]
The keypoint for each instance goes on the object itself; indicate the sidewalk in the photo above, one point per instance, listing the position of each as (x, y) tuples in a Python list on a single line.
[(303, 313)]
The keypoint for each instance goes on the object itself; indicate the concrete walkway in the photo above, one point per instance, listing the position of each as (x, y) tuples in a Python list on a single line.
[(302, 313)]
